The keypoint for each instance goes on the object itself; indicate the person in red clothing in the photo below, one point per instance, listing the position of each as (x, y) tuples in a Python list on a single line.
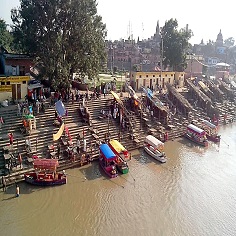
[(11, 138)]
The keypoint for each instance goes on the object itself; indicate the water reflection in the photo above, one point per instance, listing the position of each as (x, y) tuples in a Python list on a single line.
[(192, 194)]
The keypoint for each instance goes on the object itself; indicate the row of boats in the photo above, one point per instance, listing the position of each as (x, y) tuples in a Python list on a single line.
[(113, 156)]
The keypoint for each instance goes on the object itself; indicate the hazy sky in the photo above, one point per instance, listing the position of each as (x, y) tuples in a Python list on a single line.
[(124, 17)]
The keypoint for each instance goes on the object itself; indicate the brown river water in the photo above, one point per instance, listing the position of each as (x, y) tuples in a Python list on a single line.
[(194, 193)]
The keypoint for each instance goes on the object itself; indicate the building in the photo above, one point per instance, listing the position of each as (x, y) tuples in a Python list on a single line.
[(194, 65), (156, 79), (14, 75)]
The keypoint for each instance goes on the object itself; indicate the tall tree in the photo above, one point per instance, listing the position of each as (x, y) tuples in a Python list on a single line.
[(175, 45), (65, 36), (229, 42), (5, 36)]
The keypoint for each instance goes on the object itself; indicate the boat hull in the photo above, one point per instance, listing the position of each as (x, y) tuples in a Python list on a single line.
[(159, 157), (107, 169), (214, 139), (204, 144), (31, 178), (124, 169)]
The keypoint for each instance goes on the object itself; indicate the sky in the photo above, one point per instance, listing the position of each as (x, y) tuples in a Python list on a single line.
[(124, 18)]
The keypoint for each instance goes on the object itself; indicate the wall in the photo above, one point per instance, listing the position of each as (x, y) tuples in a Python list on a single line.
[(6, 86), (147, 79)]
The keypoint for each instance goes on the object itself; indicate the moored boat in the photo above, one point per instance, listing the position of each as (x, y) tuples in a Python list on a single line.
[(107, 160), (196, 135), (211, 131), (154, 147), (45, 173), (122, 155)]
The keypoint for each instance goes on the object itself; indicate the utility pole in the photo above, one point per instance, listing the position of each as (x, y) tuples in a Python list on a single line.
[(161, 55)]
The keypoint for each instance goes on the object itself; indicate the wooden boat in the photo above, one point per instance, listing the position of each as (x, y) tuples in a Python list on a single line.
[(45, 173), (122, 155), (211, 131), (107, 160), (154, 147), (196, 135)]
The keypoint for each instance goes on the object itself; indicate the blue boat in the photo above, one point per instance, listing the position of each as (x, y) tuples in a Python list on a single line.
[(107, 160)]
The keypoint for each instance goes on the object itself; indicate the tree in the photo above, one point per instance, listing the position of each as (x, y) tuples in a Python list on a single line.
[(5, 36), (65, 36), (175, 45), (229, 42)]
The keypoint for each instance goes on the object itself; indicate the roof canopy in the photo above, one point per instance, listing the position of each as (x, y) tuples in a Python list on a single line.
[(117, 145), (153, 141), (107, 152), (222, 64), (196, 129), (60, 108), (46, 164), (209, 124)]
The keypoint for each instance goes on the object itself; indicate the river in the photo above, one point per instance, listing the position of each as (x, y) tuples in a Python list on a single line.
[(192, 194)]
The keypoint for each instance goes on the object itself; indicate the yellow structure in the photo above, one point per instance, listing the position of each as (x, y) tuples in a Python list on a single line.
[(13, 87), (152, 79)]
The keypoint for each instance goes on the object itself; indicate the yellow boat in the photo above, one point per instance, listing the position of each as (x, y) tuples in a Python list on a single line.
[(122, 155)]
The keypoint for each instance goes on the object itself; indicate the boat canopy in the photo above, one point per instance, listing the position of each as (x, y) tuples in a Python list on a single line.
[(156, 143), (117, 146), (61, 110), (196, 129), (59, 133), (116, 96), (209, 124), (46, 164), (107, 152)]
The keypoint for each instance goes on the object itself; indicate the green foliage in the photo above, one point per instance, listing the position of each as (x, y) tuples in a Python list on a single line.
[(229, 42), (65, 36), (5, 36), (175, 45)]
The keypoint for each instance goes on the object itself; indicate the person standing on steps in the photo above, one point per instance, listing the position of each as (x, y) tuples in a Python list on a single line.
[(4, 185), (10, 135), (17, 190)]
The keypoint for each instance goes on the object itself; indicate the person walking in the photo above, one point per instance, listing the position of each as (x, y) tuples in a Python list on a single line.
[(11, 138), (85, 145), (20, 160), (58, 150), (4, 185), (17, 190), (72, 97), (78, 145)]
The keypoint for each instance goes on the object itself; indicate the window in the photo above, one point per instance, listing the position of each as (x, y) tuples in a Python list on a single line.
[(182, 74), (8, 82), (140, 76), (166, 75), (169, 80), (2, 83), (153, 76), (24, 82), (171, 75), (147, 76)]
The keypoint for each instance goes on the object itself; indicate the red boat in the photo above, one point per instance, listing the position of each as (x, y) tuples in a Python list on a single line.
[(45, 173), (211, 131), (196, 135), (107, 160)]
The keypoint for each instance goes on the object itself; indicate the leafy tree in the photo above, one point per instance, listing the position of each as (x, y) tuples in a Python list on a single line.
[(65, 36), (175, 45), (229, 42), (5, 36)]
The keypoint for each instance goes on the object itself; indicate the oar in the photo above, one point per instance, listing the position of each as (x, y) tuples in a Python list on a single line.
[(118, 184), (225, 142), (132, 176)]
